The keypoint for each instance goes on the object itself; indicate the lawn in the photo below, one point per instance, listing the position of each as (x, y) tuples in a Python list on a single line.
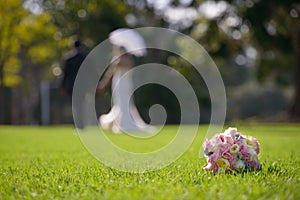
[(51, 163)]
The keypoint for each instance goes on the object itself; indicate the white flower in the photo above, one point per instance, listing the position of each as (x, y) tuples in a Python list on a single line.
[(230, 131), (254, 157), (223, 163), (252, 151), (234, 148), (239, 164), (251, 144)]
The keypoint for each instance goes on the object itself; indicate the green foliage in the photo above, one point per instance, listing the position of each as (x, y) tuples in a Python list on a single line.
[(24, 38), (29, 40), (11, 14), (271, 25), (50, 163), (92, 20), (12, 67), (42, 48)]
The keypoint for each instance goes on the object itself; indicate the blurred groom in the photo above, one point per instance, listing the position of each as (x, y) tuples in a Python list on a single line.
[(71, 68)]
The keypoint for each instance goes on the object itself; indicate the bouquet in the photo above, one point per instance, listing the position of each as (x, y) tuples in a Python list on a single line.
[(231, 151)]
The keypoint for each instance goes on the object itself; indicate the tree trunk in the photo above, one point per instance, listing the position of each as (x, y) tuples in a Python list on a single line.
[(295, 108)]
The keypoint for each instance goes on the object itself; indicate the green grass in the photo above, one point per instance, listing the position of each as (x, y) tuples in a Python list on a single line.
[(51, 163)]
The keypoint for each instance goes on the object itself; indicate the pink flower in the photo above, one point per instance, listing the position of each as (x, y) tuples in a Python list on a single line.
[(230, 157), (216, 138), (244, 151), (228, 139), (211, 167), (230, 131), (224, 147), (208, 144), (240, 142), (215, 156), (231, 150)]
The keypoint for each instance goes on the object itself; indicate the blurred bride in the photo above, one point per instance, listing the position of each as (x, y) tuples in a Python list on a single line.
[(123, 116)]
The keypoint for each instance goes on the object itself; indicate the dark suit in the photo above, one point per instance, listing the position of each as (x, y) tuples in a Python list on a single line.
[(71, 68)]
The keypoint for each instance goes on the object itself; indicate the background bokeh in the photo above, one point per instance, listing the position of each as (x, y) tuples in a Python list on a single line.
[(254, 43)]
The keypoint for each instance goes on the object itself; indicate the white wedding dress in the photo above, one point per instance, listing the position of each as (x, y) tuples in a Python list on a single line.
[(123, 116)]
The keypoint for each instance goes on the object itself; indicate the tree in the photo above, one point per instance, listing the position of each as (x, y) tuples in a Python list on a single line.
[(27, 48), (9, 41), (267, 30), (263, 34), (91, 20), (275, 32), (35, 34)]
